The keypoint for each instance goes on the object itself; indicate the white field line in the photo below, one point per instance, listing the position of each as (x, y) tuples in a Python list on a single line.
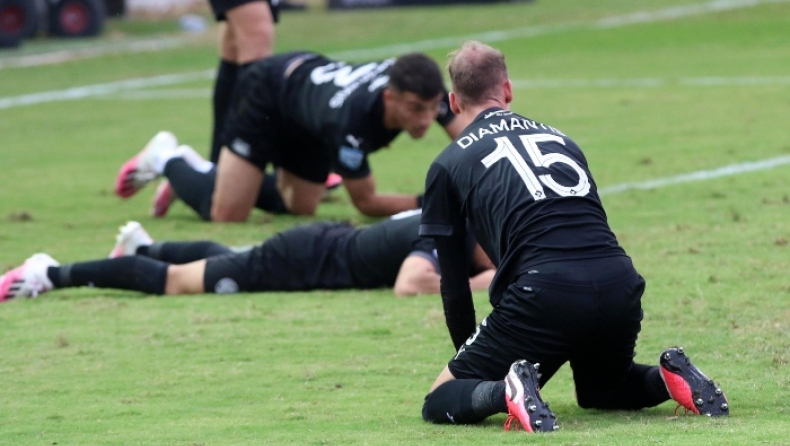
[(103, 89), (638, 17), (700, 175), (494, 36), (159, 94), (66, 55), (666, 14)]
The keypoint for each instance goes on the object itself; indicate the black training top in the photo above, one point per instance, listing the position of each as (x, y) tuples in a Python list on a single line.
[(527, 192), (375, 253), (330, 255), (340, 106)]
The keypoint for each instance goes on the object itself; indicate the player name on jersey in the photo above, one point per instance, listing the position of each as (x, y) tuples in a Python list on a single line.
[(507, 123)]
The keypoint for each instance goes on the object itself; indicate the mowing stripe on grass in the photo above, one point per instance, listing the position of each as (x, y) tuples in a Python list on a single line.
[(700, 175)]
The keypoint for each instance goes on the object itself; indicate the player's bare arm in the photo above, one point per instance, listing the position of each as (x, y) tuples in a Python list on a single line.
[(417, 275), (364, 197)]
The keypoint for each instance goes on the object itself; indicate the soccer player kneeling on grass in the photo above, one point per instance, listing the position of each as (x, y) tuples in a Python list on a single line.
[(564, 291)]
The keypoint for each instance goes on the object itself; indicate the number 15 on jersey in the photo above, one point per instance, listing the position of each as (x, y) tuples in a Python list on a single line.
[(506, 150)]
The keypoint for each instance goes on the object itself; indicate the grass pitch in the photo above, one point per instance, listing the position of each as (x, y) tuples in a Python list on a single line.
[(683, 87)]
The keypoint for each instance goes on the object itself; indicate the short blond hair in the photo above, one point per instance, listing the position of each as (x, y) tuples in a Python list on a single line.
[(476, 72)]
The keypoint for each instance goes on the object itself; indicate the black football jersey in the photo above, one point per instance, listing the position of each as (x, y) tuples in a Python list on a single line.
[(526, 191), (339, 105), (375, 253)]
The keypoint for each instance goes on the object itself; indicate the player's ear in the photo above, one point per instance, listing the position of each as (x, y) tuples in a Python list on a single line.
[(387, 94), (454, 103), (508, 92)]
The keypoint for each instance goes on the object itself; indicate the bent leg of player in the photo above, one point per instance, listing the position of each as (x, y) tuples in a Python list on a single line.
[(269, 198), (468, 401), (235, 189), (193, 187), (604, 371), (165, 194), (463, 401), (301, 196)]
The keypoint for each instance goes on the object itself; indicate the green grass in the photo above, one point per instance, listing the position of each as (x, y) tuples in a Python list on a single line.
[(87, 366)]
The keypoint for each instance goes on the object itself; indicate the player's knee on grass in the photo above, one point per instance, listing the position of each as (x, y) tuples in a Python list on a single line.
[(228, 214)]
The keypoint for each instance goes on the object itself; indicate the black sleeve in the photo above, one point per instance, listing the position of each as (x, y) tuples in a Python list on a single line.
[(459, 309)]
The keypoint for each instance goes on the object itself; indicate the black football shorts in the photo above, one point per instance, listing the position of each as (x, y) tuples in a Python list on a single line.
[(587, 312)]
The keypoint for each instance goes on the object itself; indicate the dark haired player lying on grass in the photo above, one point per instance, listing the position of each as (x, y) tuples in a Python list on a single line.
[(322, 255)]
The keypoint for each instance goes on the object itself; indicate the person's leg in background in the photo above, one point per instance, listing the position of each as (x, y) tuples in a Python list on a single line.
[(246, 35)]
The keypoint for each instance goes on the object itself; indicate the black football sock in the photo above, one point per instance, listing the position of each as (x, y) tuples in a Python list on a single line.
[(451, 402), (488, 398), (193, 187), (179, 253), (125, 273), (227, 74), (269, 198)]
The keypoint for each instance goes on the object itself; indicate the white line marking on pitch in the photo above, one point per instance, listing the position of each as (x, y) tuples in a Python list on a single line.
[(700, 175), (103, 89), (672, 13), (66, 55), (494, 36)]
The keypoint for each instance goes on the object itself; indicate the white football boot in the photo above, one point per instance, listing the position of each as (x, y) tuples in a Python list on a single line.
[(130, 237), (146, 166), (28, 280)]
